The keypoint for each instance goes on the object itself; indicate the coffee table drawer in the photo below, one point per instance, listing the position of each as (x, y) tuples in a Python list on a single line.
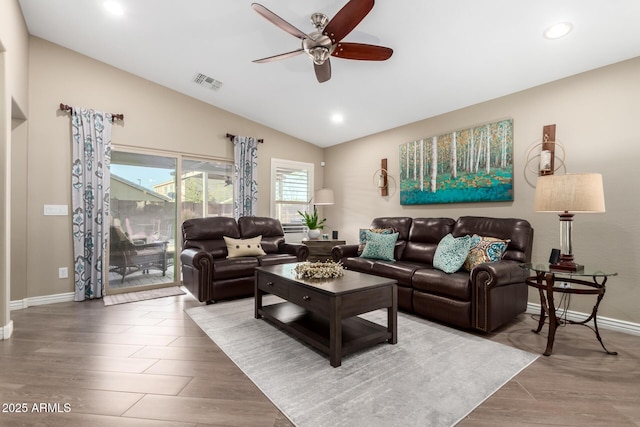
[(309, 299), (274, 287)]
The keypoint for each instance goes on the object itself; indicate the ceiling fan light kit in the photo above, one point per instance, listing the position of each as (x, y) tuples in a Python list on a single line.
[(326, 41)]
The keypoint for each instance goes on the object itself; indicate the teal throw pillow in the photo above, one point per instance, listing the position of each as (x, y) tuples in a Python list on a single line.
[(380, 246), (362, 236), (451, 253)]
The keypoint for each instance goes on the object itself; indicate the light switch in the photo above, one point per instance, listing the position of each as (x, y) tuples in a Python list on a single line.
[(56, 210)]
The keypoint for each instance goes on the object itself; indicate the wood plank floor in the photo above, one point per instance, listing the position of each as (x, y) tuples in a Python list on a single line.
[(148, 364)]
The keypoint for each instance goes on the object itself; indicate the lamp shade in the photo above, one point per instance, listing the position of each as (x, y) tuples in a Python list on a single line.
[(582, 192), (324, 196)]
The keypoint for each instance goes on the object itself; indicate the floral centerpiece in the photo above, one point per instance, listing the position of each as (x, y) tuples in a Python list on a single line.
[(319, 270)]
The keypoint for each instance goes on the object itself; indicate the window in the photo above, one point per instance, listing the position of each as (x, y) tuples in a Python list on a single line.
[(292, 189), (207, 188)]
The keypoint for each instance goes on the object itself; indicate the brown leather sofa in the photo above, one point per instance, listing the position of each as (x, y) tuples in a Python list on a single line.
[(207, 272), (483, 299)]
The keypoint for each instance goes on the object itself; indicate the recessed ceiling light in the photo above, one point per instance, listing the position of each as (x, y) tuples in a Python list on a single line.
[(558, 30), (337, 118), (114, 8)]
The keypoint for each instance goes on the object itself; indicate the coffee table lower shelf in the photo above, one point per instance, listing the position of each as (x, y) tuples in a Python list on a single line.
[(357, 333)]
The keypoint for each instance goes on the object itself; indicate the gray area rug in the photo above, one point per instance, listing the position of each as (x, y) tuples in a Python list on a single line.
[(433, 376), (142, 295)]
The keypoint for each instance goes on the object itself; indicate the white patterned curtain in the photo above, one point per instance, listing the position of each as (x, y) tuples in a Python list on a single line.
[(245, 186), (91, 139)]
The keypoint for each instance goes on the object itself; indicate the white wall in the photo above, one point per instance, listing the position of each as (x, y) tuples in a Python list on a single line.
[(596, 115)]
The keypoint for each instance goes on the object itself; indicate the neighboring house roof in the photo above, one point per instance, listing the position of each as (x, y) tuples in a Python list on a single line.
[(123, 189)]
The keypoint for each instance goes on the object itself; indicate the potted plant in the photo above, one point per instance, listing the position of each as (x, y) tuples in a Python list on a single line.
[(313, 223)]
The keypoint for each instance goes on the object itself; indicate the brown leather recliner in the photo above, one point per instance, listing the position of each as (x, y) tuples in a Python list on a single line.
[(483, 299), (207, 272)]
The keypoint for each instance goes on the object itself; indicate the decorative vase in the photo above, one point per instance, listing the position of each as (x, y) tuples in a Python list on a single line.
[(313, 234)]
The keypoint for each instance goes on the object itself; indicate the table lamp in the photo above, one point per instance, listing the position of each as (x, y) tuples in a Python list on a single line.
[(567, 194)]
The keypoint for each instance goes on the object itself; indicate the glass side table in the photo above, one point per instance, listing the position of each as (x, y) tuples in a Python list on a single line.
[(588, 282)]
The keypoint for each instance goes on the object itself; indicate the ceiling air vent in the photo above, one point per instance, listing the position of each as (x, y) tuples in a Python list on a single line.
[(208, 82)]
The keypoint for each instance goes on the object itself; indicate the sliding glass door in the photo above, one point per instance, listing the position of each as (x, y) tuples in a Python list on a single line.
[(207, 188), (142, 240)]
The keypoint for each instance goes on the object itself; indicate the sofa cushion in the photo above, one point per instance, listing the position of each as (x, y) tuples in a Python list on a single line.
[(485, 249), (243, 247), (519, 231), (455, 285), (451, 253), (206, 234), (269, 228), (233, 268), (252, 226), (424, 236), (401, 271), (380, 246)]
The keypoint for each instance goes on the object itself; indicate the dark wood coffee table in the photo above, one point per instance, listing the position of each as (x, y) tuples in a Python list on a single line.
[(324, 313)]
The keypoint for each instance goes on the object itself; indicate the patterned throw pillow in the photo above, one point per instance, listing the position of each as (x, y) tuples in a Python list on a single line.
[(451, 253), (362, 236), (485, 249), (380, 246), (244, 247)]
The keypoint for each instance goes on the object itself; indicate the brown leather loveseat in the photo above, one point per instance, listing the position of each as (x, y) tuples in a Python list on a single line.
[(207, 272), (485, 298)]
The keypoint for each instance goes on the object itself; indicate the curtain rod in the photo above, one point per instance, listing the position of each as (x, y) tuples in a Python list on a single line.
[(231, 136), (114, 117)]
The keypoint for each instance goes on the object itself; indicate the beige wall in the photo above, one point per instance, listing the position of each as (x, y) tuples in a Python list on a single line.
[(14, 45), (155, 118), (596, 114)]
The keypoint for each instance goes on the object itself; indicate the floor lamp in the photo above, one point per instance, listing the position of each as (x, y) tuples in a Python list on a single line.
[(567, 194), (323, 197)]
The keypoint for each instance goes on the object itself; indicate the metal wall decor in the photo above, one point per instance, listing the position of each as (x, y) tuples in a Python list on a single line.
[(467, 165)]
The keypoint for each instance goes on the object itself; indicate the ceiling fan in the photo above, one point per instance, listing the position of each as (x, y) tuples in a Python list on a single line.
[(327, 41)]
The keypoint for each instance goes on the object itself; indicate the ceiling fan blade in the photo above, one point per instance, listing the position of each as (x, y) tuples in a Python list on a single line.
[(278, 57), (323, 72), (365, 52), (347, 19), (275, 19)]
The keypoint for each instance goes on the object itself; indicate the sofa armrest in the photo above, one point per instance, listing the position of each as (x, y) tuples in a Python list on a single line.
[(196, 259), (300, 250), (494, 274), (499, 293), (343, 251), (197, 273)]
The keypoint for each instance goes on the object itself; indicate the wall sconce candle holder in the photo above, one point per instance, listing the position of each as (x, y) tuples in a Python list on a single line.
[(381, 178)]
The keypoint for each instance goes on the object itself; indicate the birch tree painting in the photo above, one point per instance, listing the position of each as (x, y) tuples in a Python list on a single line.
[(468, 165)]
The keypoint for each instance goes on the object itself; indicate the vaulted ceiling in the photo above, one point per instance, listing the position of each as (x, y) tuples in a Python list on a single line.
[(447, 54)]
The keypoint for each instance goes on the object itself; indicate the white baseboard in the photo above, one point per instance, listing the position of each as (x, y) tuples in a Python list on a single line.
[(6, 331), (43, 300), (603, 322)]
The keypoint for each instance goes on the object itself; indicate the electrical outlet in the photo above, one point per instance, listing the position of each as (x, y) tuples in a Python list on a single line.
[(63, 273)]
